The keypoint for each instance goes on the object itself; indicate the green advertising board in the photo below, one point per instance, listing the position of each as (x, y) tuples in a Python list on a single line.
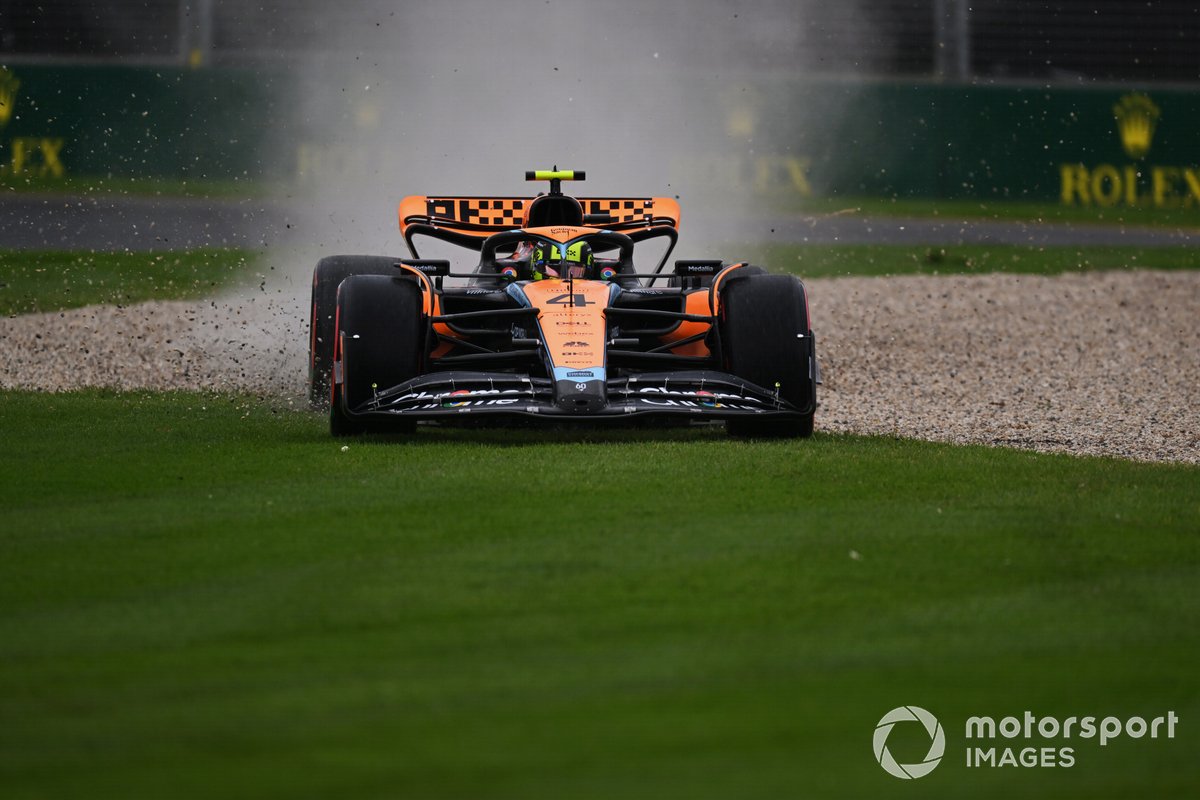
[(134, 121), (1105, 146), (1108, 146), (1102, 146)]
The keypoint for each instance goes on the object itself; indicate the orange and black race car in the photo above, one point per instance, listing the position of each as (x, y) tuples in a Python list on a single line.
[(555, 320)]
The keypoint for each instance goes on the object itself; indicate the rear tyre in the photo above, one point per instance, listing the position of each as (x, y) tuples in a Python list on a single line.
[(764, 318), (379, 335), (330, 272)]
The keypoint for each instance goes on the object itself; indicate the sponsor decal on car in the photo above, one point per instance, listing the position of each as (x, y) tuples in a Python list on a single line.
[(460, 399), (580, 372), (461, 393), (701, 395), (668, 402), (701, 398)]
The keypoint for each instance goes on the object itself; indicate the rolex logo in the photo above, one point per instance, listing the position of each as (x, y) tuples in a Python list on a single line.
[(8, 94), (1136, 117)]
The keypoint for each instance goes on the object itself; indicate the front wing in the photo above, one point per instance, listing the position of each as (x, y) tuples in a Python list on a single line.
[(701, 395)]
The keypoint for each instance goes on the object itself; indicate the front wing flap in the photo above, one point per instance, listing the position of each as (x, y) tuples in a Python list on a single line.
[(699, 394)]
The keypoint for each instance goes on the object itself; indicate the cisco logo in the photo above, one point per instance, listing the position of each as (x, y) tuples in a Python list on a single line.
[(937, 742)]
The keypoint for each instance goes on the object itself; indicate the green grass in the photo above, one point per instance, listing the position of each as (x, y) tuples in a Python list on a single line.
[(48, 281), (205, 596), (826, 261)]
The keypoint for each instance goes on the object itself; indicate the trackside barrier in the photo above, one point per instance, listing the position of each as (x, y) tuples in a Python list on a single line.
[(1103, 147)]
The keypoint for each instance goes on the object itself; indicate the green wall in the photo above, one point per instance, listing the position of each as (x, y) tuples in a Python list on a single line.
[(807, 137), (136, 122), (989, 142)]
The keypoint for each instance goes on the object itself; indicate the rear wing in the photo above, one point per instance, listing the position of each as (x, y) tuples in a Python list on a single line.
[(469, 220)]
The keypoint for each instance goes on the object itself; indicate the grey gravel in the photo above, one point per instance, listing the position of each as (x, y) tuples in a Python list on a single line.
[(253, 345), (1091, 363)]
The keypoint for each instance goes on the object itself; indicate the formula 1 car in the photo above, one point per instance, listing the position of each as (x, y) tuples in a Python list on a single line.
[(554, 321)]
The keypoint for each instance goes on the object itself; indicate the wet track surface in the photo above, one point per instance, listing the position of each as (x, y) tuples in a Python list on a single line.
[(63, 222), (54, 222)]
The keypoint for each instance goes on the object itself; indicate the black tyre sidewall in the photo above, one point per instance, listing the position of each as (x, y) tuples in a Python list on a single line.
[(761, 316), (380, 330), (327, 276)]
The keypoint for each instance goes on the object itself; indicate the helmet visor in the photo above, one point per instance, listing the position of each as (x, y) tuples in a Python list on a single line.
[(570, 261)]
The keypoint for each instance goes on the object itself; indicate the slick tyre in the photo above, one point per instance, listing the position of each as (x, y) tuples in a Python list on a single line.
[(379, 343), (329, 273), (766, 340)]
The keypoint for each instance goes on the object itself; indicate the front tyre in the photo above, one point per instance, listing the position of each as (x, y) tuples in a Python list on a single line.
[(766, 340), (378, 345), (327, 276)]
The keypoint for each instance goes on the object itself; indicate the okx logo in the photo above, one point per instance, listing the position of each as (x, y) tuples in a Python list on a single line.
[(937, 742)]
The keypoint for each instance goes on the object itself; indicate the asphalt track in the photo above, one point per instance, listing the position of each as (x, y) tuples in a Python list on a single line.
[(118, 223)]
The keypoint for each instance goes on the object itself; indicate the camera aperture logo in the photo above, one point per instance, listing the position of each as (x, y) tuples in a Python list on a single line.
[(937, 742)]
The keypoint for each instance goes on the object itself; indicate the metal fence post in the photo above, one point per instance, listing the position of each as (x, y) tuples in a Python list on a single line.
[(195, 32)]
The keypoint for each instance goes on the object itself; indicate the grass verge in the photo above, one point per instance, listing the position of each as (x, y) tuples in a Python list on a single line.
[(996, 210), (53, 280), (205, 596)]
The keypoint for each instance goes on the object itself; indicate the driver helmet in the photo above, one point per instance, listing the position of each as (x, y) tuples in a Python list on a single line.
[(553, 260)]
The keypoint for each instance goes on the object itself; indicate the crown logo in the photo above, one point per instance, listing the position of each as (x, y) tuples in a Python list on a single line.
[(1136, 117)]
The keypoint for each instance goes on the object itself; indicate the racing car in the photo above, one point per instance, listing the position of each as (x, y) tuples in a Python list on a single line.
[(553, 319)]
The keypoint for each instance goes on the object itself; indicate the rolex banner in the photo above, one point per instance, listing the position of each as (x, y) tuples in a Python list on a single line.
[(1101, 147), (749, 135)]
